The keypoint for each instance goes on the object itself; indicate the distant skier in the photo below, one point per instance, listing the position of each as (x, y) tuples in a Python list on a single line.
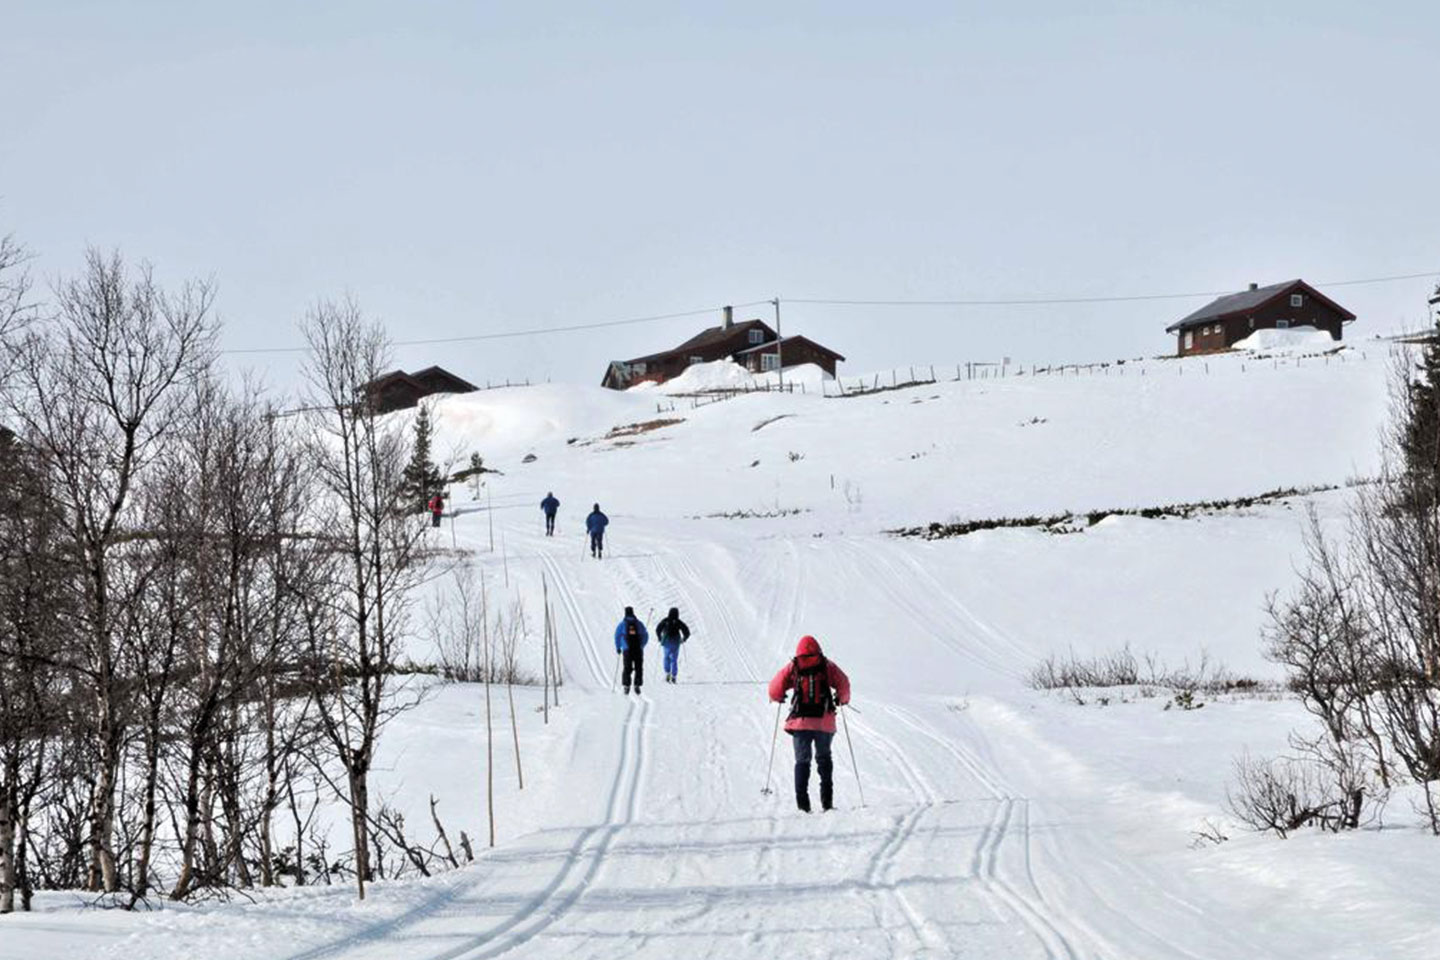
[(551, 506), (595, 525), (630, 640), (819, 685), (437, 508), (671, 632)]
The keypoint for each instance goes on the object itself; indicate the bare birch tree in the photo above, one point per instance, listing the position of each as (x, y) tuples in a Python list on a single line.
[(100, 390), (360, 460)]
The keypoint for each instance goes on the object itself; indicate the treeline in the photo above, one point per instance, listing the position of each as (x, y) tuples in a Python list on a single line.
[(202, 599)]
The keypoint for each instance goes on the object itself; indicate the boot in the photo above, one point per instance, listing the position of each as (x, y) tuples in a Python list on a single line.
[(802, 786), (627, 689), (827, 784)]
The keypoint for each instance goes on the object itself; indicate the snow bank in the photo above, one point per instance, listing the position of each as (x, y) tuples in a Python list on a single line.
[(728, 375), (1291, 340)]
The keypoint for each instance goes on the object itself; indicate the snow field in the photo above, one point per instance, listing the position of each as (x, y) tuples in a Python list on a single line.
[(999, 822)]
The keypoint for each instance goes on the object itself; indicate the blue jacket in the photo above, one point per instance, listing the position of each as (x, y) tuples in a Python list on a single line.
[(596, 522), (620, 633), (550, 505)]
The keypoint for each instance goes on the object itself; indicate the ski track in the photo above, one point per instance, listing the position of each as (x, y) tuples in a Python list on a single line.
[(542, 910), (578, 623), (1044, 924), (586, 864), (524, 924), (886, 569)]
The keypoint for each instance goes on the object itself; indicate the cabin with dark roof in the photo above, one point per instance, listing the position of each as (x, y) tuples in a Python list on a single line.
[(1224, 322), (794, 351), (752, 343), (398, 390)]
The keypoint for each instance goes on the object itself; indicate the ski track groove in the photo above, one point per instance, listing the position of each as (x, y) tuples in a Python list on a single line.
[(630, 773), (577, 622), (887, 569), (722, 612), (985, 863)]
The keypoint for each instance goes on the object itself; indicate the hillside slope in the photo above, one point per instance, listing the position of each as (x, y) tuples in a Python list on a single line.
[(996, 821)]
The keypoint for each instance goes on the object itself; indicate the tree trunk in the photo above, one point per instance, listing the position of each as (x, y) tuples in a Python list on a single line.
[(7, 848), (359, 804)]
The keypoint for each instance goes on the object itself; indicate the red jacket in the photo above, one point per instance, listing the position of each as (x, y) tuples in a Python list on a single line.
[(437, 504), (808, 653)]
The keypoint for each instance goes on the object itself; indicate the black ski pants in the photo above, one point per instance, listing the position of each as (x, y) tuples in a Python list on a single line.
[(634, 665), (597, 543), (549, 524), (816, 742)]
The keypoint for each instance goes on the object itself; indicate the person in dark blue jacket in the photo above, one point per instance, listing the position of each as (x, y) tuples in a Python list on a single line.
[(630, 640), (551, 506), (671, 632), (595, 525)]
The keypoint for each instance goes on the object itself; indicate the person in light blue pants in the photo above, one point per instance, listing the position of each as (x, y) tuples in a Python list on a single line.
[(671, 632)]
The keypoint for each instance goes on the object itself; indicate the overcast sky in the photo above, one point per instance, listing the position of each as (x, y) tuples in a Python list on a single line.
[(473, 168)]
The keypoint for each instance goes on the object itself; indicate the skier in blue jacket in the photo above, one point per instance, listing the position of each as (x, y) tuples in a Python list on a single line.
[(595, 525), (630, 640), (551, 506)]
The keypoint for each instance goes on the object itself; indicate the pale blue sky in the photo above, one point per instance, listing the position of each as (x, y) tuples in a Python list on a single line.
[(473, 168)]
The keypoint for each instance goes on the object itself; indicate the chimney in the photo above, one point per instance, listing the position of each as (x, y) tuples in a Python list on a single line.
[(729, 317), (1254, 286)]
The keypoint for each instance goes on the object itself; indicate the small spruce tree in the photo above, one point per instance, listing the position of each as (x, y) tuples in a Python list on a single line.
[(422, 477)]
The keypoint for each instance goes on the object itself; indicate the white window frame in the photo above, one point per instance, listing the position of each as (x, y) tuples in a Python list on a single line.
[(694, 360), (1282, 324), (757, 336), (1297, 299), (1189, 339), (769, 362)]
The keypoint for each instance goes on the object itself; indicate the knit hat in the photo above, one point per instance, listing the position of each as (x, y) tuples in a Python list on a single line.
[(629, 611)]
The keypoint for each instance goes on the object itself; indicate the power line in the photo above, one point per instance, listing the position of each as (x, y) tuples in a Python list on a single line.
[(508, 334), (1012, 302), (1051, 301)]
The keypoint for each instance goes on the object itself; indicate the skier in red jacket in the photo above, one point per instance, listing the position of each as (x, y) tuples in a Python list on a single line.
[(819, 686)]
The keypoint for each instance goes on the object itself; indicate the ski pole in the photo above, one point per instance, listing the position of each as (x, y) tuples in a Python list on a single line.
[(851, 744), (615, 680), (773, 737)]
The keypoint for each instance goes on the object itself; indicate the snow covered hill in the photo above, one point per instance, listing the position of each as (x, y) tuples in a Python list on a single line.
[(997, 821)]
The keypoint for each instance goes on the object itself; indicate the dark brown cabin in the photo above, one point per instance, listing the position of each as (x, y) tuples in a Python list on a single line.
[(793, 351), (730, 341), (1221, 324), (398, 390)]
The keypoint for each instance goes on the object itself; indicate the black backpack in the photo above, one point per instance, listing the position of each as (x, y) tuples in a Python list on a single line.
[(632, 634), (813, 696)]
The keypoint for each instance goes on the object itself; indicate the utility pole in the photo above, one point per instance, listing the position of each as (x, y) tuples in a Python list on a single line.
[(779, 347)]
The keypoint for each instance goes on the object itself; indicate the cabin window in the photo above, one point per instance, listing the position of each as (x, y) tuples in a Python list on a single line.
[(1189, 339), (1252, 323), (757, 336), (697, 359), (769, 362), (1297, 299), (1282, 324)]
